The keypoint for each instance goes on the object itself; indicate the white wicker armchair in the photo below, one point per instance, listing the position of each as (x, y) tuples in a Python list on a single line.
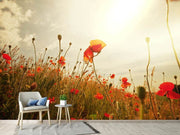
[(23, 100)]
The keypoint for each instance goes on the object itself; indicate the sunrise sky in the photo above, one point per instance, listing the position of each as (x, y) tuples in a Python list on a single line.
[(122, 24)]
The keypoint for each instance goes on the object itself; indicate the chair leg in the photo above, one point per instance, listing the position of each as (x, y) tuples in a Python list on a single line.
[(19, 116), (40, 116), (58, 114), (49, 117), (21, 121)]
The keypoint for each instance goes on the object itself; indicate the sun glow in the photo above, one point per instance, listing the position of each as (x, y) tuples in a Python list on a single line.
[(121, 13)]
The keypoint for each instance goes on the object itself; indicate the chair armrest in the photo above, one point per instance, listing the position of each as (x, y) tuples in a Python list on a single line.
[(20, 106), (47, 103)]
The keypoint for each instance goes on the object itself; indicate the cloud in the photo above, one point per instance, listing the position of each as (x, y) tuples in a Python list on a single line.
[(11, 18)]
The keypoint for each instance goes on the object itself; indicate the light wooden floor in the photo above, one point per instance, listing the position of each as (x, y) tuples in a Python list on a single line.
[(114, 127)]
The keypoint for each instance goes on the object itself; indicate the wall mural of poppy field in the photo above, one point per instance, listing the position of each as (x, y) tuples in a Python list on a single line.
[(91, 95), (123, 87)]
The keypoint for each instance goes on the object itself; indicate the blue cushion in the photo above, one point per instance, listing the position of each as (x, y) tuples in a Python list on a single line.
[(32, 102), (42, 101)]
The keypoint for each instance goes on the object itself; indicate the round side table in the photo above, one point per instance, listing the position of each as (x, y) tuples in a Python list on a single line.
[(66, 107)]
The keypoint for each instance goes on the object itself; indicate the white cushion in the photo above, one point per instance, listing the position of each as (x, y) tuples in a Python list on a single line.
[(35, 108)]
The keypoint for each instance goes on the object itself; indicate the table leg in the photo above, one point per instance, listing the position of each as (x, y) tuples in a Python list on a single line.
[(68, 115), (60, 116)]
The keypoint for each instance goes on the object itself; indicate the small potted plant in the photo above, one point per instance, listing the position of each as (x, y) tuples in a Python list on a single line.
[(63, 99)]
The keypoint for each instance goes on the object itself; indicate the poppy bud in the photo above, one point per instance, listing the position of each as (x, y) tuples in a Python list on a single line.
[(33, 39), (70, 43), (110, 85), (45, 49), (59, 37), (147, 39), (141, 91), (9, 46), (175, 77)]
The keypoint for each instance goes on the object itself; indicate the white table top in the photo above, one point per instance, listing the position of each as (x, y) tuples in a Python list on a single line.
[(67, 105)]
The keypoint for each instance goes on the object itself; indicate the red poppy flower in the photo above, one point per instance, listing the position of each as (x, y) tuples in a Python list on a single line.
[(137, 109), (112, 76), (106, 115), (161, 92), (51, 100), (88, 55), (99, 96), (73, 118), (39, 69), (62, 61), (97, 45), (28, 71), (51, 61), (0, 70), (124, 79), (21, 66), (166, 88), (136, 104), (6, 56), (30, 75), (128, 95), (72, 90), (77, 76), (173, 95), (125, 84), (104, 82), (76, 91)]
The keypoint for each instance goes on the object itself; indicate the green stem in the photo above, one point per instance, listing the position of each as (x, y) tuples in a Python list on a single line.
[(106, 90), (81, 76), (59, 54), (35, 60), (67, 50), (147, 74), (132, 81), (170, 34)]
